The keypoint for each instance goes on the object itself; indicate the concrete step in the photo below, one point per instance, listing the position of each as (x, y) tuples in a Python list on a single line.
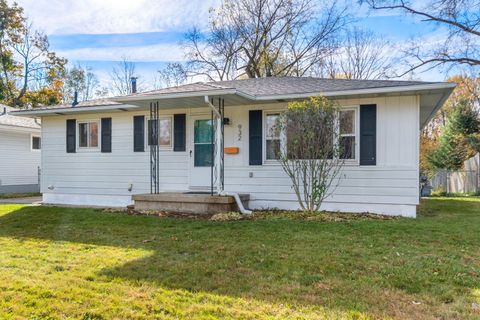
[(187, 202)]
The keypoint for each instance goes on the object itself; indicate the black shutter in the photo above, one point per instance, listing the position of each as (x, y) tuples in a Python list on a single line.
[(106, 135), (179, 132), (139, 133), (255, 137), (153, 134), (71, 133), (368, 135)]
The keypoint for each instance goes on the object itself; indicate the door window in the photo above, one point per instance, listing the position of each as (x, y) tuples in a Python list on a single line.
[(203, 146)]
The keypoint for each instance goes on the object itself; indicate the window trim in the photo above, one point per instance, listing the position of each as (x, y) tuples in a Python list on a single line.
[(356, 108), (33, 135), (99, 136), (265, 113), (162, 148), (355, 161)]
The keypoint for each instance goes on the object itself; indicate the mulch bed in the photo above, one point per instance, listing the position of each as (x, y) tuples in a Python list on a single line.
[(322, 216)]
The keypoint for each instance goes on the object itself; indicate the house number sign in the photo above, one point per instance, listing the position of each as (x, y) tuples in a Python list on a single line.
[(239, 132)]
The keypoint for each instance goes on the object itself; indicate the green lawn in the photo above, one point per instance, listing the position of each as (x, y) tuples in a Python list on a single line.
[(58, 263)]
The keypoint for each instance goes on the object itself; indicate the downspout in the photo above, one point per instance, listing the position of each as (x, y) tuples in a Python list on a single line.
[(218, 137), (238, 201)]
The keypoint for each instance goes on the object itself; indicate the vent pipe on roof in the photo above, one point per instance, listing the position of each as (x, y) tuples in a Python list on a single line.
[(75, 99), (4, 111), (134, 84)]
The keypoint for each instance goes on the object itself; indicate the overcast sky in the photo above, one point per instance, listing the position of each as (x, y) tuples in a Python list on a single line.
[(99, 32)]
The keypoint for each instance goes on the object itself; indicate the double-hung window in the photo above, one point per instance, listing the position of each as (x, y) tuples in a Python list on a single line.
[(88, 134), (347, 135), (165, 132), (272, 137), (36, 143)]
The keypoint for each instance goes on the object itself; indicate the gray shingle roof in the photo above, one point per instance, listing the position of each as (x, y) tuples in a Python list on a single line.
[(285, 85), (15, 121), (191, 87), (295, 85)]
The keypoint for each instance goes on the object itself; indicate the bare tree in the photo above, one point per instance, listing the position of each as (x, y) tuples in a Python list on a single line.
[(81, 80), (362, 55), (121, 76), (173, 74), (91, 84), (37, 63), (460, 17), (312, 155), (258, 38), (216, 56)]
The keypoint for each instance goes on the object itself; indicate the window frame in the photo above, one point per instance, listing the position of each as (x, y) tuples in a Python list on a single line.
[(33, 135), (282, 137), (162, 148), (354, 161), (193, 143), (356, 134), (99, 136)]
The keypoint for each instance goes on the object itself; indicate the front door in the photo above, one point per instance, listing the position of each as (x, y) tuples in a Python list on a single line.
[(201, 152)]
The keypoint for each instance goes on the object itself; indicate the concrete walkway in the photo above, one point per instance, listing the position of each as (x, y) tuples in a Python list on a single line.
[(26, 200)]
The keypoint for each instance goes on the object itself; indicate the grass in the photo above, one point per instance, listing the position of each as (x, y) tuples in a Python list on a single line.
[(58, 263), (19, 195)]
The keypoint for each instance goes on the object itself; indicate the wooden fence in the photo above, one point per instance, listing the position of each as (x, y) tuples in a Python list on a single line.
[(462, 181)]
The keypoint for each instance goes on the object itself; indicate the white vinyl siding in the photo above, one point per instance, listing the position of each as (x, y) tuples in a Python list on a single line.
[(105, 174), (18, 162)]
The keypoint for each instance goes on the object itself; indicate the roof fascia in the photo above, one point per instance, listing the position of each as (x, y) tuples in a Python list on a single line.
[(61, 111), (179, 95), (18, 128)]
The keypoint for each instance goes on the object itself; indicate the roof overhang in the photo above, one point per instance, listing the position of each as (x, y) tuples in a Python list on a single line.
[(432, 97), (6, 127), (34, 113)]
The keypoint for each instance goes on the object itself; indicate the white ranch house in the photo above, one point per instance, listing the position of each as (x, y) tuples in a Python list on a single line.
[(99, 152), (20, 145)]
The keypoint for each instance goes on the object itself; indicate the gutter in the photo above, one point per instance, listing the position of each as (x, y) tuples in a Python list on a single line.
[(190, 94), (66, 110), (18, 128)]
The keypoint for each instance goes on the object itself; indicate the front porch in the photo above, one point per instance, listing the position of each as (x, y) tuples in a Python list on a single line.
[(206, 163), (188, 202)]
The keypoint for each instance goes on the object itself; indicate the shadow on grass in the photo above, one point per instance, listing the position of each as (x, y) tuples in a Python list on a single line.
[(361, 265)]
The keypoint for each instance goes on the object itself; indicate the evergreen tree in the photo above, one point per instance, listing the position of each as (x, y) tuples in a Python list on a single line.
[(459, 140)]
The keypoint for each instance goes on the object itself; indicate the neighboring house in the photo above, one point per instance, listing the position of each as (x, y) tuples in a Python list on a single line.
[(98, 152), (20, 143)]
